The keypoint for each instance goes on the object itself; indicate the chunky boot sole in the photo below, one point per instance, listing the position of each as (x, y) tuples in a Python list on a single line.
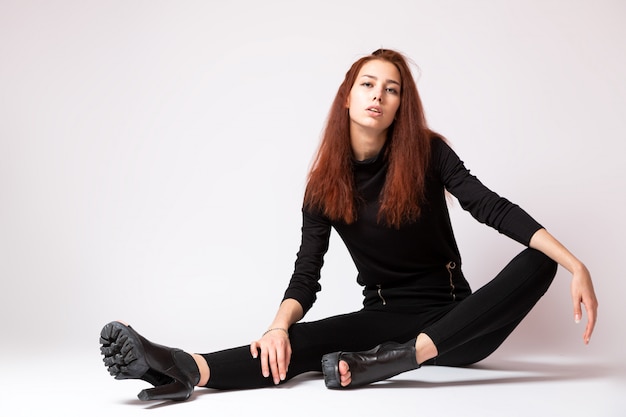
[(128, 355), (377, 364)]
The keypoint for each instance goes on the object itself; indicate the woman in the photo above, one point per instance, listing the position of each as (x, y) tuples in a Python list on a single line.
[(379, 180)]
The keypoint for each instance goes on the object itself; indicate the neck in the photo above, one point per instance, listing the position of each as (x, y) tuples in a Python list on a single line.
[(365, 145)]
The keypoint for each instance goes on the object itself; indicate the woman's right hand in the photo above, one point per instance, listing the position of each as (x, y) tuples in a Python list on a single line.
[(275, 350)]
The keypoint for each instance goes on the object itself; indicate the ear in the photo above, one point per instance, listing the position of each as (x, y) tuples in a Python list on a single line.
[(347, 105)]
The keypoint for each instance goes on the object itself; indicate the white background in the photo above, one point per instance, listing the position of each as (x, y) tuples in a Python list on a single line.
[(153, 156)]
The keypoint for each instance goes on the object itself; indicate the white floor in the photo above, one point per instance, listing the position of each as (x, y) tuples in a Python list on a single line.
[(78, 385)]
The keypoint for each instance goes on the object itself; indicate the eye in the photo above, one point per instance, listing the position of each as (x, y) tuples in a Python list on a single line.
[(392, 90), (366, 84)]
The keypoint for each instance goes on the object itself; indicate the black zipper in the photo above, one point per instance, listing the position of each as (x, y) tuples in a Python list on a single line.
[(380, 294), (450, 266)]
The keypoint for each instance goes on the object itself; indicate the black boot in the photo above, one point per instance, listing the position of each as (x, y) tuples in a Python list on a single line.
[(128, 355), (382, 362)]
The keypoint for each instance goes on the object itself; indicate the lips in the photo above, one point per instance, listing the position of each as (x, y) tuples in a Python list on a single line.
[(375, 109)]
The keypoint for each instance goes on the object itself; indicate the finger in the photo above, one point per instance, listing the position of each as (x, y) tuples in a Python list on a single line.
[(254, 349), (288, 358), (274, 366), (578, 314), (588, 331), (587, 334), (281, 359), (265, 369), (591, 321)]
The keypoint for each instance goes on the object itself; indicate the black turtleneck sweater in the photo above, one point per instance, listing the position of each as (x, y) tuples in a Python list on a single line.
[(422, 258)]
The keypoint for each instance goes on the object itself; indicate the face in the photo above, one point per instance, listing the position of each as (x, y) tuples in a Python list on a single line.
[(374, 97)]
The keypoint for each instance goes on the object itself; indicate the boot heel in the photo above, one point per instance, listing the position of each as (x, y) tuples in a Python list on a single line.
[(175, 391)]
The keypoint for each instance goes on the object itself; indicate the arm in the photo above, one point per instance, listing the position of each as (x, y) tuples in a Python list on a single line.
[(581, 286), (274, 344), (509, 219), (300, 295), (481, 202)]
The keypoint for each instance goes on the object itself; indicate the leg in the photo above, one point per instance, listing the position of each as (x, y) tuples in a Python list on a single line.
[(473, 351), (476, 326), (174, 372), (497, 308), (203, 367), (236, 369)]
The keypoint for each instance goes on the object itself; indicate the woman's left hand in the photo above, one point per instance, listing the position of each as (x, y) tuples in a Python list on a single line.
[(584, 295), (581, 286)]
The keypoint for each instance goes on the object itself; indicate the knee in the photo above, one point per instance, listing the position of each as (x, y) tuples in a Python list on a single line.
[(545, 263), (545, 268)]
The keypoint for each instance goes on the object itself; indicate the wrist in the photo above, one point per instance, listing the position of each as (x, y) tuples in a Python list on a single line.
[(579, 267), (276, 329)]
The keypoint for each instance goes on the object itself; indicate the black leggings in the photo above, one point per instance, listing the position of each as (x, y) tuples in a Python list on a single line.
[(464, 332)]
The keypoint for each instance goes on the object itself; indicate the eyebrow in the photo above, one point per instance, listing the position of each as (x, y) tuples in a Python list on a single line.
[(376, 78)]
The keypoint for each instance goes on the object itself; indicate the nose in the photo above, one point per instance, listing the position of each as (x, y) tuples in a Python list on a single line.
[(378, 94)]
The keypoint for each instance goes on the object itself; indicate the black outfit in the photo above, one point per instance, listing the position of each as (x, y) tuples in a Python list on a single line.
[(412, 278)]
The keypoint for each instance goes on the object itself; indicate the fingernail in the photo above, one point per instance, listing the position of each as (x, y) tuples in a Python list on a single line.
[(577, 318)]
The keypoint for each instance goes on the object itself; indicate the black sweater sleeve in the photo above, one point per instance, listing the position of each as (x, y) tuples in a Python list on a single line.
[(484, 205), (304, 283)]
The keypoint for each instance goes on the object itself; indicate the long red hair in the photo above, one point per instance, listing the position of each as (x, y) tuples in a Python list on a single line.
[(331, 188)]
